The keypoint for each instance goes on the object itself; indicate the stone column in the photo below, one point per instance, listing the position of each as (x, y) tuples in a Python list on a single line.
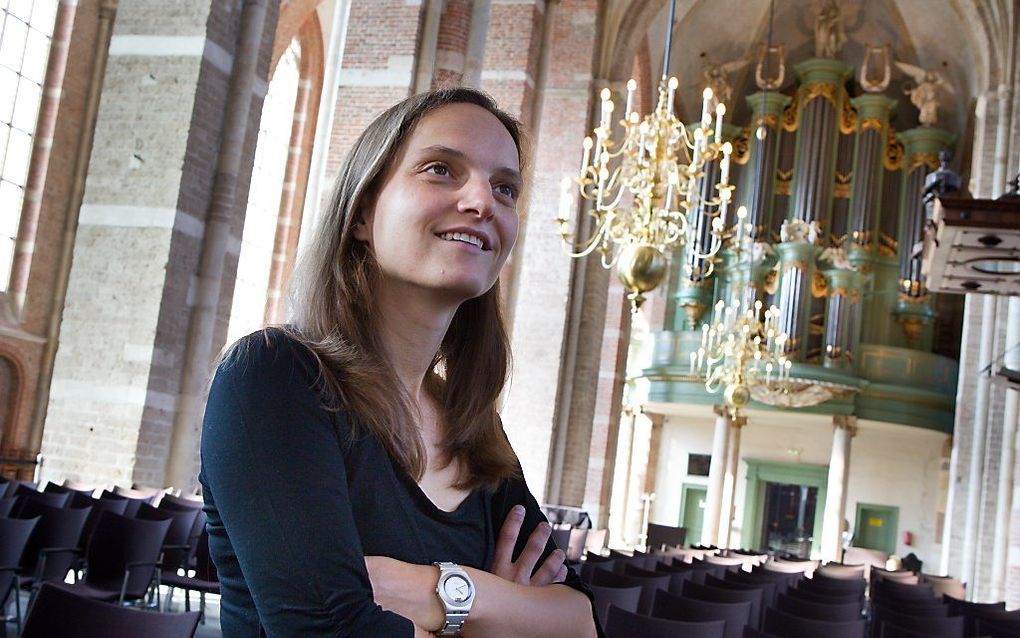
[(844, 429), (729, 504), (118, 385), (716, 476)]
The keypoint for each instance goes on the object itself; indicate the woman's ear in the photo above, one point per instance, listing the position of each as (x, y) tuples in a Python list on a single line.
[(363, 227)]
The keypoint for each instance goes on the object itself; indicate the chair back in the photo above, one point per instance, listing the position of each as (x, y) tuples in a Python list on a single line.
[(58, 528), (561, 537), (834, 571), (625, 624), (736, 615), (98, 505), (53, 499), (945, 585), (14, 536), (205, 569), (7, 505), (596, 540), (626, 598), (589, 567), (805, 567), (909, 594), (182, 523), (118, 541), (818, 611), (724, 594), (944, 627), (57, 612), (53, 488), (648, 585), (660, 536), (784, 625), (575, 544), (824, 584), (824, 599), (741, 579), (132, 504)]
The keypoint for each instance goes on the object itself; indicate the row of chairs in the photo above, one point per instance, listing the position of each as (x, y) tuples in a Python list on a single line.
[(754, 595), (119, 547)]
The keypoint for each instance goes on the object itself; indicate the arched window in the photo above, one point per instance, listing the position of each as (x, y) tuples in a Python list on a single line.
[(26, 29), (255, 260)]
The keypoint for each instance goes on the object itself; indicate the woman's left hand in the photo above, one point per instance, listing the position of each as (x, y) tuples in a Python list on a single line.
[(522, 571), (408, 590)]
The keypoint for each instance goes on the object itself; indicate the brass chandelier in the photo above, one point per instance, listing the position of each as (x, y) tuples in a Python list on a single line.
[(643, 192), (743, 347)]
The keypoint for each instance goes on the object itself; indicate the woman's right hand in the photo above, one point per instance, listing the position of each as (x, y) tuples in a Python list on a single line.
[(520, 571)]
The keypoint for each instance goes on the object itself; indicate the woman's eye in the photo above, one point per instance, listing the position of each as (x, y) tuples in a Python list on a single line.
[(507, 191), (438, 169)]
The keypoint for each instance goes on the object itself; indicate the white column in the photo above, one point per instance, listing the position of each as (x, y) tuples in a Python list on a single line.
[(1004, 502), (729, 504), (716, 474), (844, 429)]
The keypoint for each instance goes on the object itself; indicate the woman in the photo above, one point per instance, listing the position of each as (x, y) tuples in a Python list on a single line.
[(354, 466)]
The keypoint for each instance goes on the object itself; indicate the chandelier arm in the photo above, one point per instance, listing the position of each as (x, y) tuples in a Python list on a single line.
[(584, 249)]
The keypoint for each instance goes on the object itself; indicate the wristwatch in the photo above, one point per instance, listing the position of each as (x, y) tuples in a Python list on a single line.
[(457, 593)]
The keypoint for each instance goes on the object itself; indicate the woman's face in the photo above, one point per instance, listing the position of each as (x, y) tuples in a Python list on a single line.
[(445, 218)]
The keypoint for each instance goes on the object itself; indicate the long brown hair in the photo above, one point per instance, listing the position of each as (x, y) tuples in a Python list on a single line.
[(335, 318)]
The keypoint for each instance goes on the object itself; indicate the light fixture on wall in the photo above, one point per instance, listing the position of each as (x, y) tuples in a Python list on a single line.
[(643, 190)]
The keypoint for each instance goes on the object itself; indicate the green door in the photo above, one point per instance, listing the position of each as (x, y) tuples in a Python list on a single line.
[(693, 512), (875, 527)]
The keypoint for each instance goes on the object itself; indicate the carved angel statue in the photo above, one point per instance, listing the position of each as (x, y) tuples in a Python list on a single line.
[(717, 77), (925, 92), (838, 257), (829, 33), (776, 73), (883, 56), (798, 230)]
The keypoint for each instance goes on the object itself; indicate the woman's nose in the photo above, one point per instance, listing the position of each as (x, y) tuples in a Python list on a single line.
[(477, 198)]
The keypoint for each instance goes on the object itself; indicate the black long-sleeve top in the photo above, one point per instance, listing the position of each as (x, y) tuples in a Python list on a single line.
[(295, 502)]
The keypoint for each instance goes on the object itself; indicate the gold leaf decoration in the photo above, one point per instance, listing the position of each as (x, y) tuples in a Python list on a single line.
[(871, 123), (791, 115), (841, 189), (742, 147), (819, 89), (893, 158), (848, 118), (931, 160), (818, 285), (783, 181)]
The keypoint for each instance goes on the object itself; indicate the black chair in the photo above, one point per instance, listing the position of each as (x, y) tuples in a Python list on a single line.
[(660, 536), (834, 586), (7, 488), (951, 627), (180, 502), (114, 506), (58, 612), (132, 506), (768, 589), (177, 550), (648, 585), (676, 578), (818, 611), (14, 535), (892, 631), (205, 581), (624, 624), (751, 632), (785, 625), (626, 598), (971, 612), (736, 615), (904, 594), (121, 559), (589, 567), (991, 628), (561, 537), (725, 594), (53, 499), (824, 599), (926, 611), (7, 506), (53, 548)]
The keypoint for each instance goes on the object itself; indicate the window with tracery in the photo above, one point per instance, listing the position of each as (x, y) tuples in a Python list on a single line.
[(26, 30)]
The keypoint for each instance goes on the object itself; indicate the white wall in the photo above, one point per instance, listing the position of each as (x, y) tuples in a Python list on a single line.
[(889, 465)]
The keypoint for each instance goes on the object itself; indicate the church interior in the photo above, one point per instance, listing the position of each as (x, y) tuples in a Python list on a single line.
[(764, 307)]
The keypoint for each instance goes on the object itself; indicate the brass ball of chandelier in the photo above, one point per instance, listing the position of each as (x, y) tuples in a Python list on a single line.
[(737, 395), (641, 267)]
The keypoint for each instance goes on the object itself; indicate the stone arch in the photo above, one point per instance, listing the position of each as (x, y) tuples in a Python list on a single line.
[(294, 16), (12, 376)]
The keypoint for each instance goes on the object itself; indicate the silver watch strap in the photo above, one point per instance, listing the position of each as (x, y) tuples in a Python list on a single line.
[(455, 618)]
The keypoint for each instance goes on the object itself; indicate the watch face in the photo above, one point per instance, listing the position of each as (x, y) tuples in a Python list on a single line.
[(457, 588)]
